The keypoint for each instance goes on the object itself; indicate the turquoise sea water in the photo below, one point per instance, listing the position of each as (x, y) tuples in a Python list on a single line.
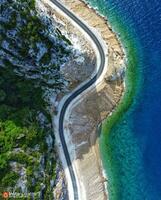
[(130, 141)]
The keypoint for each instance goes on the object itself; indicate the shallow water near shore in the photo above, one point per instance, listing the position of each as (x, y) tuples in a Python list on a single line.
[(130, 141)]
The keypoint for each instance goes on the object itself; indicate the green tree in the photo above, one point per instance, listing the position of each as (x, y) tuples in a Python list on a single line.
[(2, 95), (10, 179)]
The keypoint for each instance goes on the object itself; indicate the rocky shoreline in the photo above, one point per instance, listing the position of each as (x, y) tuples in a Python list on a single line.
[(85, 115), (96, 106)]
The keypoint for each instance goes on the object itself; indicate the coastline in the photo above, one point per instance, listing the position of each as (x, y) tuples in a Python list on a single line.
[(130, 137), (132, 81), (93, 10), (108, 91)]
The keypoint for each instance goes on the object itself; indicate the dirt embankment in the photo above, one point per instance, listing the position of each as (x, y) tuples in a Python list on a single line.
[(82, 61), (95, 106), (85, 115)]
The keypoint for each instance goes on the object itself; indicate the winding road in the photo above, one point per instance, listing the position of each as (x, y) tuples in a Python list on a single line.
[(79, 91)]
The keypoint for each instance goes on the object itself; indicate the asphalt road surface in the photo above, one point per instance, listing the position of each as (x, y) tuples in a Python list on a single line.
[(77, 92)]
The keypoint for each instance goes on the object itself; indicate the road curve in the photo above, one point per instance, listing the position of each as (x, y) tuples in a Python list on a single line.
[(77, 92)]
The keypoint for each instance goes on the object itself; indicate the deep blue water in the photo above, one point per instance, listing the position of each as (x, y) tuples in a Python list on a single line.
[(141, 134)]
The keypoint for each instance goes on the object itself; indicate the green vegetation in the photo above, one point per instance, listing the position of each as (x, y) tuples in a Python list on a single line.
[(10, 179), (25, 70)]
